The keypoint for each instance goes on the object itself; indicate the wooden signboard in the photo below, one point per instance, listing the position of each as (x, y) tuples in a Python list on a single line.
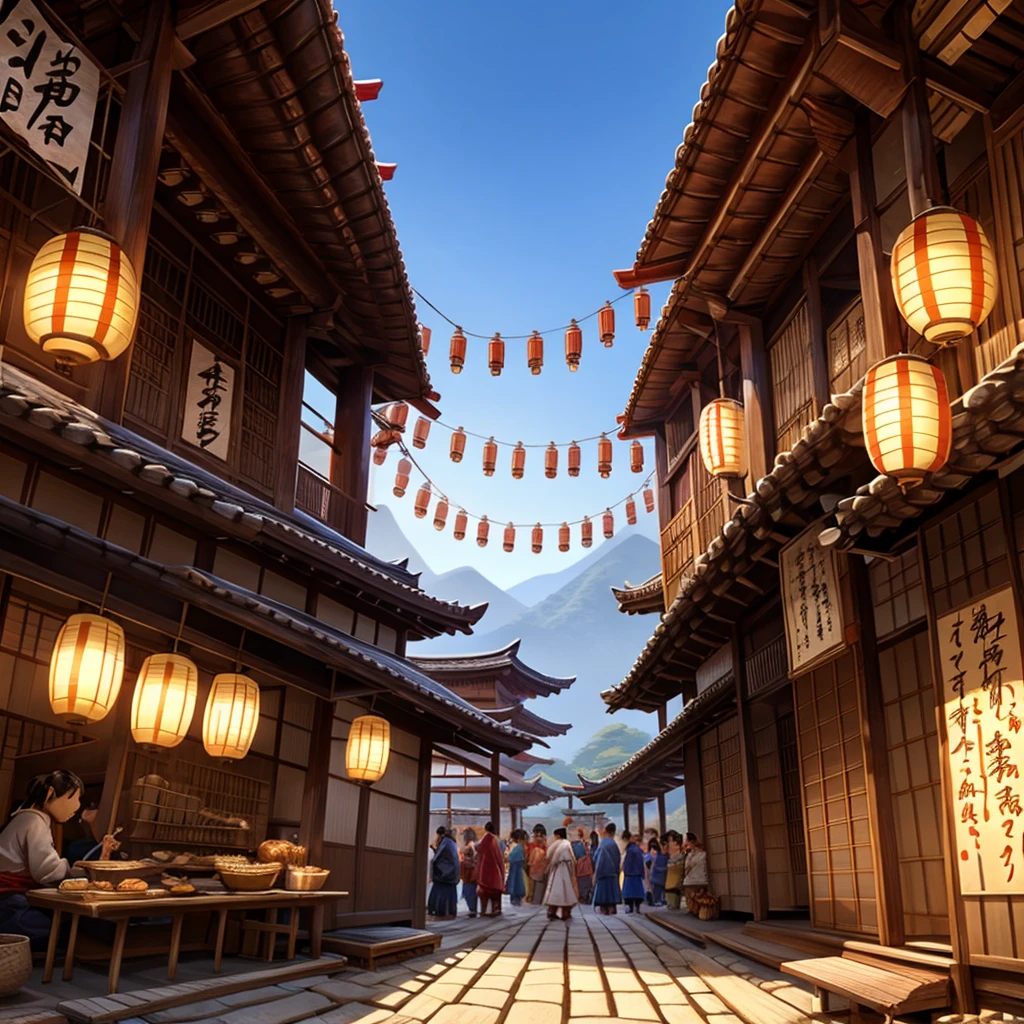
[(209, 394), (811, 601), (983, 697)]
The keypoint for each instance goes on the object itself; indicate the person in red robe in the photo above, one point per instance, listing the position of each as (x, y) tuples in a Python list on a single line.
[(490, 879)]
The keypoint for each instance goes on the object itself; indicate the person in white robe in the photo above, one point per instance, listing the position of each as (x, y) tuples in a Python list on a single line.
[(561, 891)]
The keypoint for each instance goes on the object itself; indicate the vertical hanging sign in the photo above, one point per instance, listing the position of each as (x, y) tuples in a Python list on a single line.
[(209, 394), (811, 601), (48, 90), (983, 703)]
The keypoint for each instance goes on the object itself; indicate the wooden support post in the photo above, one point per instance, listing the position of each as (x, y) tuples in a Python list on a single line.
[(496, 789), (819, 345), (691, 783), (350, 467), (117, 762), (314, 790), (625, 817), (640, 819), (663, 717), (924, 183), (289, 420), (423, 837), (757, 402), (662, 816), (128, 205), (751, 788)]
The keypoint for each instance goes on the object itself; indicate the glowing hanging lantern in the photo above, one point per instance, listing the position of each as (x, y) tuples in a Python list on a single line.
[(421, 432), (573, 345), (496, 355), (608, 524), (537, 539), (631, 510), (604, 458), (551, 461), (368, 749), (606, 324), (379, 455), (457, 350), (908, 425), (490, 456), (483, 530), (440, 514), (461, 519), (563, 537), (422, 500), (397, 414), (86, 669), (231, 717), (164, 700), (721, 438), (535, 352), (458, 445), (636, 457), (642, 308), (518, 461), (586, 532), (424, 339), (509, 540), (574, 459), (402, 478), (81, 298), (943, 275), (648, 500)]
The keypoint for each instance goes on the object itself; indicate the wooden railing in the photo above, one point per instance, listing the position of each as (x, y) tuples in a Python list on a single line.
[(677, 550)]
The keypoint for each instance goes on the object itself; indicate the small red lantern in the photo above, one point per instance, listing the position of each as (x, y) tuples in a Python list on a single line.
[(630, 510), (642, 308), (490, 456), (608, 524), (422, 500), (535, 352), (518, 461), (648, 499), (604, 457), (402, 478), (396, 414), (379, 455), (573, 345), (496, 355), (459, 532), (636, 457), (421, 432), (537, 539), (458, 446), (551, 461), (586, 532), (606, 324), (483, 529), (563, 537), (574, 459), (457, 351), (382, 439), (509, 540), (424, 339), (440, 514)]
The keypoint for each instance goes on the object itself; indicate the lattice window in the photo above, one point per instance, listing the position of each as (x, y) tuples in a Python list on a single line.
[(847, 351), (792, 380), (259, 412), (30, 631), (677, 551), (709, 502), (789, 758), (207, 313), (896, 592), (679, 428)]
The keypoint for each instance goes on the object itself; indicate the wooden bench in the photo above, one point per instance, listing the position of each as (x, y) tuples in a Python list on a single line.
[(887, 991), (373, 946)]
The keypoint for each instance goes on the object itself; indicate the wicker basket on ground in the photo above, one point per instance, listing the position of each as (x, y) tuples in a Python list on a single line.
[(15, 963)]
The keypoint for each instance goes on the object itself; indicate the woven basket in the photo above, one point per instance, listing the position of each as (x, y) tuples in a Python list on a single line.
[(248, 877), (15, 963), (305, 879)]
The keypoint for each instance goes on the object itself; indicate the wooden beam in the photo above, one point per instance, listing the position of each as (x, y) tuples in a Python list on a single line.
[(422, 838), (692, 785), (496, 791), (757, 402), (350, 471), (289, 420), (924, 184), (951, 85), (662, 816), (203, 17), (819, 344), (625, 817), (1008, 109), (314, 789)]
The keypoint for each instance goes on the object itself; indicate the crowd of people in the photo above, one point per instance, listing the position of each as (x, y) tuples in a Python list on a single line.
[(605, 871)]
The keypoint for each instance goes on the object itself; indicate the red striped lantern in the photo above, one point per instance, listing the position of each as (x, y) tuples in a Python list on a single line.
[(648, 500), (636, 457), (721, 438), (631, 510), (606, 324), (908, 425), (573, 345), (490, 457), (586, 532), (461, 519), (402, 478), (440, 514), (496, 355), (457, 350), (537, 539), (604, 458), (421, 432), (424, 339), (535, 353), (458, 445), (608, 524), (483, 530), (422, 500), (574, 459), (518, 461), (642, 308), (508, 541), (563, 537), (943, 275), (551, 461), (379, 455), (397, 414)]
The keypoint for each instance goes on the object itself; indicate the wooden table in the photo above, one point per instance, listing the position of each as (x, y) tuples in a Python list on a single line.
[(176, 907)]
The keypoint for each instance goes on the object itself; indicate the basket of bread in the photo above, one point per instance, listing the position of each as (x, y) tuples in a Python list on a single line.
[(248, 877), (116, 871), (305, 879), (281, 851), (124, 889)]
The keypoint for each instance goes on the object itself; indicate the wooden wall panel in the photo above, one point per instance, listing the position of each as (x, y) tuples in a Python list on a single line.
[(342, 812), (385, 882), (391, 824), (792, 380), (1007, 182)]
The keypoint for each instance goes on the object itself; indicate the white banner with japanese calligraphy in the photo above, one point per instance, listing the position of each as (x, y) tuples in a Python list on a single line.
[(209, 399), (811, 601), (48, 90), (983, 696)]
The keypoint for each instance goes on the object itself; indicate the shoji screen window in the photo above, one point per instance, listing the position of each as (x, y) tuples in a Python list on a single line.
[(792, 379)]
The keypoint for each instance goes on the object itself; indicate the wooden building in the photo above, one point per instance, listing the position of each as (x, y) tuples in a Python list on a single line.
[(226, 152), (810, 613)]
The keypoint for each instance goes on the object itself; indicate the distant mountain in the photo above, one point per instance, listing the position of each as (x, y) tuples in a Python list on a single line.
[(385, 539), (607, 749)]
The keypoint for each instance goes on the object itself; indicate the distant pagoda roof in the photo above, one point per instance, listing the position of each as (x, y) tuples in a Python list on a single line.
[(527, 758), (515, 791), (526, 721), (641, 598)]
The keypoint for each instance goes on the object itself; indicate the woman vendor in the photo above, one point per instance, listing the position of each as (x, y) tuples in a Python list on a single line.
[(28, 858)]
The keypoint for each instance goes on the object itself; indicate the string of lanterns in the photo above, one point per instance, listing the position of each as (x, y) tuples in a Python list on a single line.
[(573, 336)]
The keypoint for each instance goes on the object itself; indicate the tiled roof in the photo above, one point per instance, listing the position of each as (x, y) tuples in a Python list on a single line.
[(526, 720), (641, 598), (504, 664)]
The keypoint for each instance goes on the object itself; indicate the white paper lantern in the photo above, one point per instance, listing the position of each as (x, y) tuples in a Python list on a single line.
[(164, 700), (232, 715), (721, 437), (368, 749), (86, 669)]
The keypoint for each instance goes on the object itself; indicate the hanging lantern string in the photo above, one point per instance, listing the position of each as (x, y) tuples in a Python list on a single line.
[(513, 444), (437, 492), (516, 337)]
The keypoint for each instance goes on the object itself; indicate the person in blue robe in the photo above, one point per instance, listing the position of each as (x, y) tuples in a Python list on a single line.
[(516, 884), (633, 868), (444, 874), (607, 894)]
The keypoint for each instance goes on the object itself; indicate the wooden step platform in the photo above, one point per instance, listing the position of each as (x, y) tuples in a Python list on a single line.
[(370, 947), (102, 1010), (674, 921), (21, 1015), (771, 954)]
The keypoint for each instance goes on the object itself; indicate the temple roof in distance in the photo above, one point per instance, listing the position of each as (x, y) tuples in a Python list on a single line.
[(641, 598), (519, 718)]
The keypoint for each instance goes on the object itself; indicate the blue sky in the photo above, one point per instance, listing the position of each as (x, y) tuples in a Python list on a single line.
[(532, 142)]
